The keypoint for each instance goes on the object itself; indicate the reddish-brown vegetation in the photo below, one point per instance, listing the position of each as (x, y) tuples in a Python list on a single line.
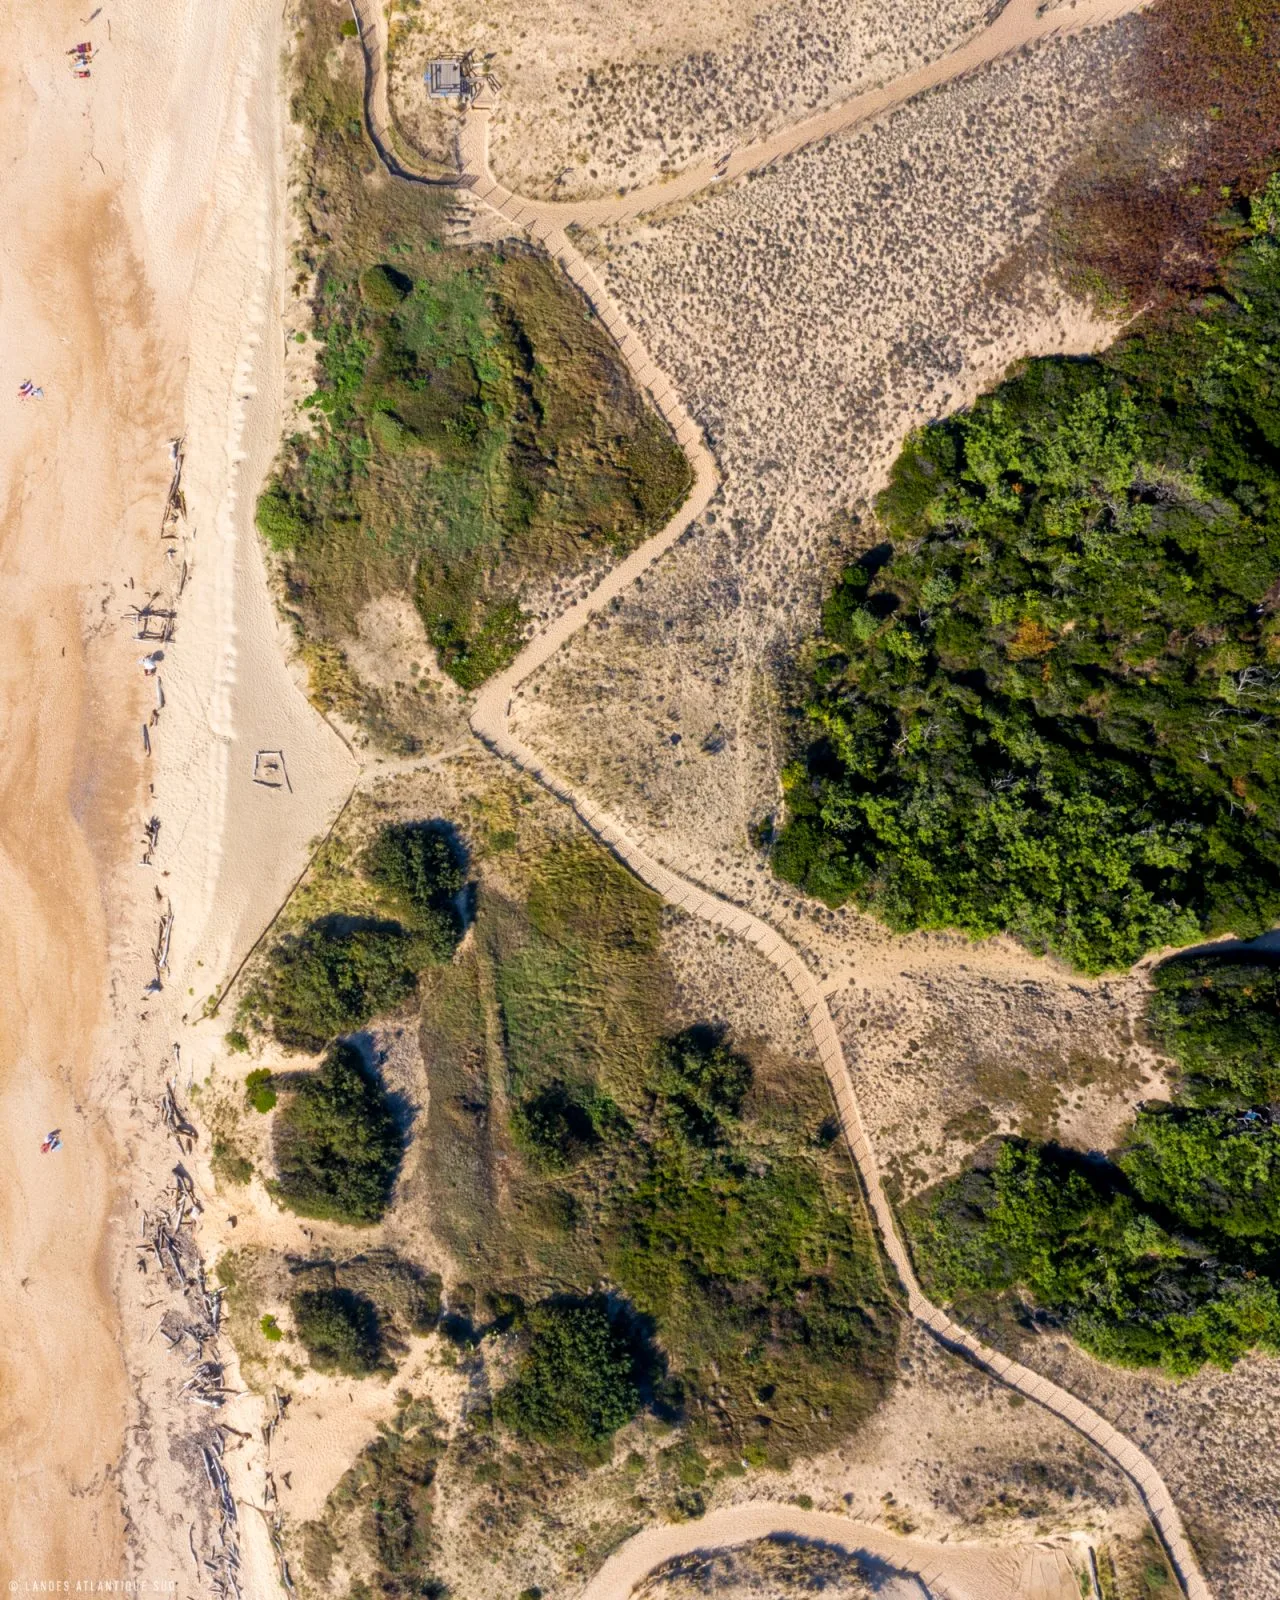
[(1200, 128)]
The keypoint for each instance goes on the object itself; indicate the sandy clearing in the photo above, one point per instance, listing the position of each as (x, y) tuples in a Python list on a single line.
[(1018, 25), (947, 1571)]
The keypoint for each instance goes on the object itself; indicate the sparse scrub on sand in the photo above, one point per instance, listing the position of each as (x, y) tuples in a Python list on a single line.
[(1164, 1256), (335, 1142), (473, 429), (1047, 704), (1203, 79), (617, 95), (379, 1517)]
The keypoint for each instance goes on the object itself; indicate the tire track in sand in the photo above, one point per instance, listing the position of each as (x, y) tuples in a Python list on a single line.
[(1019, 24)]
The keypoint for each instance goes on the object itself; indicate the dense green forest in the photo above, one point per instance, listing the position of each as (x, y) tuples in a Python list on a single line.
[(473, 428), (1045, 702), (1167, 1255)]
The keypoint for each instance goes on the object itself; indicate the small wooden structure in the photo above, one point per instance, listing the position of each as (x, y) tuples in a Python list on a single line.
[(270, 771), (445, 80)]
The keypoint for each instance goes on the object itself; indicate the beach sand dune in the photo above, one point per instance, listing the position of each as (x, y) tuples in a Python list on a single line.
[(138, 288)]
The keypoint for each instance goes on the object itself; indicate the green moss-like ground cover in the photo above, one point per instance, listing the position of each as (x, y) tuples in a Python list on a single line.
[(1046, 704)]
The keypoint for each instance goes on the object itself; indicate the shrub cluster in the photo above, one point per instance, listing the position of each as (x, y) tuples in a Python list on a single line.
[(419, 868), (1049, 706), (339, 972), (575, 1385), (338, 1329), (335, 1142), (1168, 1256), (335, 976)]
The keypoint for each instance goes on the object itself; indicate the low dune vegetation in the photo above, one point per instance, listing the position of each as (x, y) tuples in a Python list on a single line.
[(333, 973), (1044, 700), (1203, 78), (590, 1143), (473, 429), (1168, 1254)]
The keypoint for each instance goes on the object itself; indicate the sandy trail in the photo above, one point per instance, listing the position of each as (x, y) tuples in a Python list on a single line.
[(1018, 24), (947, 1571)]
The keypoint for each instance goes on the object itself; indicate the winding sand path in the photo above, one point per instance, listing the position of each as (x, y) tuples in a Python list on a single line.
[(1019, 24), (904, 1566)]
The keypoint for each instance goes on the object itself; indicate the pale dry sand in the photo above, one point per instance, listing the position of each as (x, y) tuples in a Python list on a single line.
[(138, 274)]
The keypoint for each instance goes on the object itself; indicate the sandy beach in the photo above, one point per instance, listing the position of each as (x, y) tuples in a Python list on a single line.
[(138, 277)]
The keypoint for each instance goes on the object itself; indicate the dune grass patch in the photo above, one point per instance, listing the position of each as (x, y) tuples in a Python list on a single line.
[(473, 430)]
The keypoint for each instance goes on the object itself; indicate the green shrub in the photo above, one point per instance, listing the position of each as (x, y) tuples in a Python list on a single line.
[(259, 1091), (349, 29), (338, 1329), (1218, 1015), (337, 975), (560, 1123), (335, 1142), (1217, 1173), (237, 1041), (383, 287), (271, 1330), (280, 521), (575, 1385), (1129, 1291), (1051, 708), (419, 868), (702, 1084)]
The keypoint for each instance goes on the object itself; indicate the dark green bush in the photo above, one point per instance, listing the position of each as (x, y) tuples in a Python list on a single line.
[(1129, 1290), (336, 1145), (1053, 710), (1218, 1015), (419, 867), (561, 1123), (575, 1385), (702, 1084), (281, 522), (384, 288), (337, 975), (258, 1090), (338, 1329), (1217, 1173)]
